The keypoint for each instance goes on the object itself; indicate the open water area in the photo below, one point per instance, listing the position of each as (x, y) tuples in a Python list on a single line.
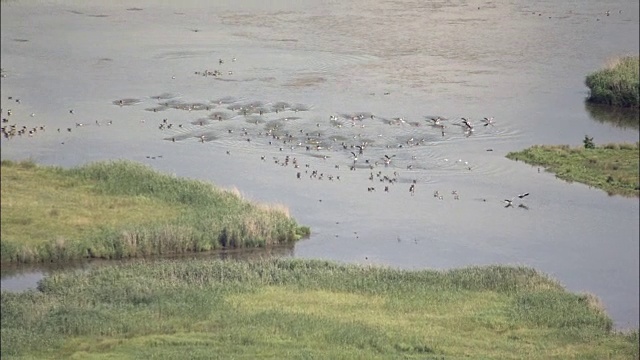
[(227, 91)]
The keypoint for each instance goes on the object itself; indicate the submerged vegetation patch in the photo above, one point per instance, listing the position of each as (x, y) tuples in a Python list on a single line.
[(293, 308), (618, 84), (611, 167), (123, 209)]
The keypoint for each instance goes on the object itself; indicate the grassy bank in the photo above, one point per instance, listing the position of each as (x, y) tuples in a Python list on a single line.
[(288, 308), (123, 209), (618, 84), (612, 168)]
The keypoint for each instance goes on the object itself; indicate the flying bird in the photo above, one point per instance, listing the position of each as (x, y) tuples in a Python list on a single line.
[(387, 159), (468, 125), (488, 121), (436, 120), (509, 202)]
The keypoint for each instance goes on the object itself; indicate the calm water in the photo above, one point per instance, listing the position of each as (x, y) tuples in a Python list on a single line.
[(326, 67)]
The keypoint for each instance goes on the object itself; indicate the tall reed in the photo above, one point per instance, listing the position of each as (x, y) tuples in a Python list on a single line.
[(295, 308), (618, 84)]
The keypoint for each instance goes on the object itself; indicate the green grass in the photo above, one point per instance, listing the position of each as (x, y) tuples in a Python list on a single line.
[(612, 167), (618, 84), (289, 308), (122, 209)]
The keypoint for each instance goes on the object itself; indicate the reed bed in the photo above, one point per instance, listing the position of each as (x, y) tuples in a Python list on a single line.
[(610, 167), (292, 308), (122, 209), (618, 84)]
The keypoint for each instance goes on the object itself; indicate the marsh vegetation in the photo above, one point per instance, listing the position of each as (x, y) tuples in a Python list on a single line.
[(288, 308), (611, 167), (618, 84), (122, 209)]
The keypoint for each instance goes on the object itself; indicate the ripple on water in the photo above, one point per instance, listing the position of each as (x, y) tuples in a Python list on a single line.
[(225, 100), (126, 102), (180, 105), (221, 115), (328, 63), (157, 108), (185, 54), (254, 120), (164, 96)]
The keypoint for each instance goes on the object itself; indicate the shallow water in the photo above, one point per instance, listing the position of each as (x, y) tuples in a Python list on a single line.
[(124, 69)]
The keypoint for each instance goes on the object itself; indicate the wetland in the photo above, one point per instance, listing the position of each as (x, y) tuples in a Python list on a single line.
[(233, 93)]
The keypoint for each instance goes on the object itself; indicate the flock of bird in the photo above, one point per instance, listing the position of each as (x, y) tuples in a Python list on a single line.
[(315, 142)]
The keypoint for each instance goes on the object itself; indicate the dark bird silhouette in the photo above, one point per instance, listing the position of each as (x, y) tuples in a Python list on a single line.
[(488, 121), (467, 124), (509, 202)]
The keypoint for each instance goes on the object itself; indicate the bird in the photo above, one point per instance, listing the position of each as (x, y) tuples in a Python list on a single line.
[(509, 202), (468, 125), (488, 121), (436, 120), (387, 159)]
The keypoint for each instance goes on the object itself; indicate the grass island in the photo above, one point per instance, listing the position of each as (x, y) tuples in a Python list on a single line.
[(122, 209), (618, 84), (293, 308), (611, 167)]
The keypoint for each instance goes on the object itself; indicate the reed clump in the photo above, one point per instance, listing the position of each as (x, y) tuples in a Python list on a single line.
[(293, 308), (613, 168), (618, 84), (121, 209)]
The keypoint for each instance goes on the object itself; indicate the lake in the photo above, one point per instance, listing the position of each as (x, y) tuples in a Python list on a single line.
[(225, 92)]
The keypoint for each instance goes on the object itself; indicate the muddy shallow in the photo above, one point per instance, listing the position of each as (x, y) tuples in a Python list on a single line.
[(227, 92)]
